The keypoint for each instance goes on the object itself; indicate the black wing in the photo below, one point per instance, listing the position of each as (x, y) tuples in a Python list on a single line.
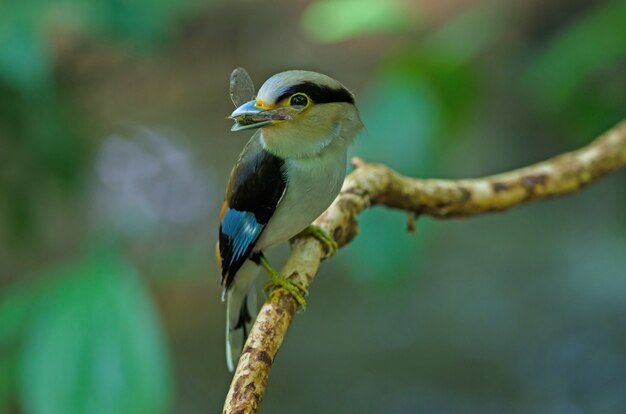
[(256, 185)]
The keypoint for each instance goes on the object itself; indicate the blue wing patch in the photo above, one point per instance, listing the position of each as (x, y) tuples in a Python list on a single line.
[(256, 185), (238, 234)]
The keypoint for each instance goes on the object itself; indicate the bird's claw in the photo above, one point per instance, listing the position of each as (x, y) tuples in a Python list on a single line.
[(278, 281), (295, 289), (330, 245)]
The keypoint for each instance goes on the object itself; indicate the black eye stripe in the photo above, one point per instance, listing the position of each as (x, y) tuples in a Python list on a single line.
[(318, 94)]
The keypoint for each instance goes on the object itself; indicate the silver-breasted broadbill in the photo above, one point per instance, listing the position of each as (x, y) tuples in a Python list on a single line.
[(287, 175)]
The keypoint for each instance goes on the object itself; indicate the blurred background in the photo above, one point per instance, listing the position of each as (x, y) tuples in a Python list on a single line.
[(114, 155)]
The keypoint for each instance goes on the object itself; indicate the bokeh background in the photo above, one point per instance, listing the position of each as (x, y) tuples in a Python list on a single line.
[(114, 154)]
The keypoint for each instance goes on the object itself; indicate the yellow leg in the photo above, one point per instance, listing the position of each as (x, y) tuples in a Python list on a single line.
[(326, 239), (280, 282)]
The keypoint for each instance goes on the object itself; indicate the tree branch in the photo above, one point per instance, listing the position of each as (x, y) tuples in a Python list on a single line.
[(375, 184)]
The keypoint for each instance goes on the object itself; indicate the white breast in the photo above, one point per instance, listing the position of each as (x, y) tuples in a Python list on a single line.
[(313, 183)]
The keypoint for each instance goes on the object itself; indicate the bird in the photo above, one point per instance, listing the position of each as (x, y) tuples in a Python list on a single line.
[(288, 173)]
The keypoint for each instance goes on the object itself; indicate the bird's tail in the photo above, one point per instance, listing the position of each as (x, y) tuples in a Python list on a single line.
[(241, 309)]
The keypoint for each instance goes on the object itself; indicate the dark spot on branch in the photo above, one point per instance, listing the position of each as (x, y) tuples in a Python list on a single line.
[(338, 234), (344, 234), (531, 181), (356, 191), (499, 187), (264, 357), (411, 222), (465, 194), (247, 350), (237, 390), (251, 387)]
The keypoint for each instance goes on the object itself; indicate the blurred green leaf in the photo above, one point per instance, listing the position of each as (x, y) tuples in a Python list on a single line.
[(8, 379), (385, 254), (466, 35), (337, 20), (146, 21), (23, 60), (452, 85), (15, 307), (443, 63), (42, 147), (402, 118), (25, 28), (95, 345), (51, 130), (46, 146), (413, 109), (418, 101), (579, 72), (597, 39)]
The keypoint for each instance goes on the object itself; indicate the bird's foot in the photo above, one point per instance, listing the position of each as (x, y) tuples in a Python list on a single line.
[(280, 282), (330, 245)]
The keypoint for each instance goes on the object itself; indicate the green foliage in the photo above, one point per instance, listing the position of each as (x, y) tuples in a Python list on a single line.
[(23, 58), (411, 144), (466, 36), (144, 21), (416, 104), (578, 75), (41, 128), (8, 379), (385, 253), (91, 342), (15, 309), (403, 110), (87, 338), (336, 20), (445, 85)]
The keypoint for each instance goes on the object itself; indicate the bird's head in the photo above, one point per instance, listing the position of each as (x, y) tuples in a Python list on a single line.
[(300, 113)]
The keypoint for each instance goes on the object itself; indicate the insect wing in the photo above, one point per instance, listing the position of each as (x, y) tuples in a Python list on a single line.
[(241, 87)]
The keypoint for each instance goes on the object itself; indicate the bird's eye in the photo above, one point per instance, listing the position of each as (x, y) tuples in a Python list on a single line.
[(298, 100)]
